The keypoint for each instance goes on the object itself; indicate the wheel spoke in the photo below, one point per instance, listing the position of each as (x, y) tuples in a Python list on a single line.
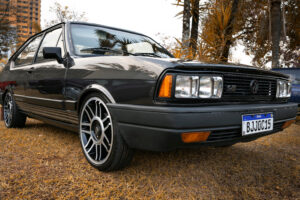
[(108, 125), (85, 124), (91, 148), (106, 118), (96, 158), (105, 137), (98, 109), (90, 110), (87, 113), (87, 132), (87, 144), (103, 143)]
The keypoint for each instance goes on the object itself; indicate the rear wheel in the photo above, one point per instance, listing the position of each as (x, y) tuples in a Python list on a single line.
[(101, 142), (13, 118)]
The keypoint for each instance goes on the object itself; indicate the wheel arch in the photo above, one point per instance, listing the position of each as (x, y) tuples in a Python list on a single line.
[(91, 89)]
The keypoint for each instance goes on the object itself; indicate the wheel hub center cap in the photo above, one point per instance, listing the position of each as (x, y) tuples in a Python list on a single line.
[(97, 129)]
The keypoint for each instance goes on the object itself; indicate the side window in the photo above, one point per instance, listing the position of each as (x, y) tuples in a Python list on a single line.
[(27, 55), (50, 40)]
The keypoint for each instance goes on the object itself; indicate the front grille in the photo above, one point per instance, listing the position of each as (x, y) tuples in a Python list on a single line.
[(221, 135), (237, 88)]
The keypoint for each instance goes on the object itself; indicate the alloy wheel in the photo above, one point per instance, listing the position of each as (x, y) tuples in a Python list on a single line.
[(96, 131)]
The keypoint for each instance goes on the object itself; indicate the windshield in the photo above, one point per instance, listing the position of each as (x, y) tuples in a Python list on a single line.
[(95, 40)]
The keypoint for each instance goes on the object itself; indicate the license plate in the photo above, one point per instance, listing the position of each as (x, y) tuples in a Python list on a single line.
[(257, 123)]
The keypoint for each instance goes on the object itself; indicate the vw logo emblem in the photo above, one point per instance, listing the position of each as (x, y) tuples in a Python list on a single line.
[(254, 86)]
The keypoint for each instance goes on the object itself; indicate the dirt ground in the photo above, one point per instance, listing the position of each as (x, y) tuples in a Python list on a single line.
[(44, 162)]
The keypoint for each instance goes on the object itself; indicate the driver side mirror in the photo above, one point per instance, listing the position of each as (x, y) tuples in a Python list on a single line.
[(53, 53)]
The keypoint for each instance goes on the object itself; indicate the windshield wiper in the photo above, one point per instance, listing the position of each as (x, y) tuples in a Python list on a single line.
[(105, 49), (100, 49), (147, 54)]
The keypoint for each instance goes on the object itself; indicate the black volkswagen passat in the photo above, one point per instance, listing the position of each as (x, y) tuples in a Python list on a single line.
[(122, 91)]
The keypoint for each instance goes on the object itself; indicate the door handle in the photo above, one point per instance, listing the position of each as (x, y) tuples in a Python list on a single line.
[(30, 70)]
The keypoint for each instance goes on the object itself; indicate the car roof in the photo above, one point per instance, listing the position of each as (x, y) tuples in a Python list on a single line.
[(104, 26)]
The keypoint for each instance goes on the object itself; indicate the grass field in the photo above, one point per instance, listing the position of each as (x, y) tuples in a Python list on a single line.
[(44, 162)]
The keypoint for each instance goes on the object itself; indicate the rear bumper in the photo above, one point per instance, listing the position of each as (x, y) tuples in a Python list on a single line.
[(159, 128)]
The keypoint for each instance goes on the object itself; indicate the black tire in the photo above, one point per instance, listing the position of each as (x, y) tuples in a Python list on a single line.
[(95, 118), (13, 118)]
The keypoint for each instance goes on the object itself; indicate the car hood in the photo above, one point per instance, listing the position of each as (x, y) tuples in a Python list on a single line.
[(155, 66)]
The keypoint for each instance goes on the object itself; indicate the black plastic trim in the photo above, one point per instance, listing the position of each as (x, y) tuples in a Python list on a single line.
[(158, 128)]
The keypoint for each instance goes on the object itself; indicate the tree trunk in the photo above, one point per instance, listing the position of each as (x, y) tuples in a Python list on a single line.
[(283, 22), (186, 25), (276, 31), (195, 25), (229, 30)]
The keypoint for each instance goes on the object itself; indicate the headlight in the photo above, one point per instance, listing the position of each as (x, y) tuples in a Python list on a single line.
[(186, 86), (211, 87), (198, 87), (284, 89)]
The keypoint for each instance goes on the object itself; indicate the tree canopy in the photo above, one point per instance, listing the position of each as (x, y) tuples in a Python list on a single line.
[(64, 14), (259, 25)]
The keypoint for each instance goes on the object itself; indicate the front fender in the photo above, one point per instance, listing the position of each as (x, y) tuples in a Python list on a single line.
[(94, 88)]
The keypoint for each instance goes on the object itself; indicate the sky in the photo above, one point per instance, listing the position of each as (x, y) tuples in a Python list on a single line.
[(149, 17)]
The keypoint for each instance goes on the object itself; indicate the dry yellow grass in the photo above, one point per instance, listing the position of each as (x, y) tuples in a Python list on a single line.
[(44, 162)]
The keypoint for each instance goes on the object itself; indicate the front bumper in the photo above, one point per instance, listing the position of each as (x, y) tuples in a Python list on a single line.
[(159, 128)]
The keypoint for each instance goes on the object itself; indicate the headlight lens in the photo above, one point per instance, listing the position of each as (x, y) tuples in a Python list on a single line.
[(218, 87), (289, 89), (199, 86), (206, 87), (283, 89), (186, 86)]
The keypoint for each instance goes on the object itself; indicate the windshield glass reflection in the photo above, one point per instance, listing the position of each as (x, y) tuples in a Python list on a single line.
[(95, 40)]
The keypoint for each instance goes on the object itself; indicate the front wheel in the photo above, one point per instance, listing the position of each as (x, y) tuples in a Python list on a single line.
[(102, 145)]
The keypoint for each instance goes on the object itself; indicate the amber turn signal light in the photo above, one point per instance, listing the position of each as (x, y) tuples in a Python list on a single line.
[(287, 124), (194, 137), (166, 87)]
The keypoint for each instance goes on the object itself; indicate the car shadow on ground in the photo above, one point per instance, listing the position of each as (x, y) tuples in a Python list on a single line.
[(244, 169)]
